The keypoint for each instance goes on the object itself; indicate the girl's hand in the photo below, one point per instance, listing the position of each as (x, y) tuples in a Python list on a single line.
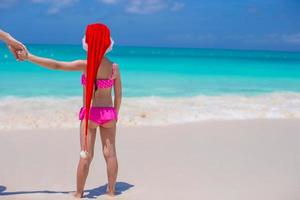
[(22, 54)]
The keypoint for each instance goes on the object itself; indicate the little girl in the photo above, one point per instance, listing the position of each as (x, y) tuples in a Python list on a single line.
[(99, 76)]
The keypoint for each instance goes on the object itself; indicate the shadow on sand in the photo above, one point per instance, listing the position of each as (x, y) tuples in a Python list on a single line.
[(90, 193)]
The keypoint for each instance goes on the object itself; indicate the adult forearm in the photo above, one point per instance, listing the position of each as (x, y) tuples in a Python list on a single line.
[(4, 36)]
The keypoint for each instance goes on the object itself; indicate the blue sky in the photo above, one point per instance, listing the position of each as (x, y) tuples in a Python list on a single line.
[(239, 24)]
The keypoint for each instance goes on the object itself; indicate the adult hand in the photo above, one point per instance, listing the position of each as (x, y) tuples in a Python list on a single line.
[(14, 46), (23, 54)]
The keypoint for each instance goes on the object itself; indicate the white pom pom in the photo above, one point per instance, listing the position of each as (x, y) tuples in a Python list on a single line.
[(83, 154)]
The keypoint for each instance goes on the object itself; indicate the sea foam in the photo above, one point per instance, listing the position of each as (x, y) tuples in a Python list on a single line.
[(53, 112)]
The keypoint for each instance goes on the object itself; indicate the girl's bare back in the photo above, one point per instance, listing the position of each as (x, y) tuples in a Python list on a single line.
[(103, 96)]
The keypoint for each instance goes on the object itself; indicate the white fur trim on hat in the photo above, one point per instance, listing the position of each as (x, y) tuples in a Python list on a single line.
[(109, 49)]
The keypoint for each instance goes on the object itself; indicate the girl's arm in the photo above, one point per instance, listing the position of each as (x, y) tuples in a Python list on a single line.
[(118, 91), (77, 65)]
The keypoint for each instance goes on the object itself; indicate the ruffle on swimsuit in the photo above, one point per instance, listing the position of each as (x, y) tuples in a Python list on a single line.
[(99, 115)]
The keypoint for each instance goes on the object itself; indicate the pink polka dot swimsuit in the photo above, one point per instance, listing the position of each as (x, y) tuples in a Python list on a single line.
[(103, 83), (100, 115)]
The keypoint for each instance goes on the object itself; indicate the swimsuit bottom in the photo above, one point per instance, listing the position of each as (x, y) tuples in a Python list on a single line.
[(99, 115)]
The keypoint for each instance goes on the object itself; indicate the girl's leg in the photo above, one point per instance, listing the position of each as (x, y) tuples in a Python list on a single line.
[(84, 164), (108, 135)]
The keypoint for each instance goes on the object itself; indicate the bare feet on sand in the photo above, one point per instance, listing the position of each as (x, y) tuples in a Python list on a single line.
[(77, 195), (110, 192)]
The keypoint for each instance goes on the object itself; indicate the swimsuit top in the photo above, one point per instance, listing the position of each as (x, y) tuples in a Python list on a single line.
[(103, 83)]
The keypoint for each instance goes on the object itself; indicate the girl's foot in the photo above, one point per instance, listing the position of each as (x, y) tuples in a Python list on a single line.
[(77, 195), (107, 197), (110, 193)]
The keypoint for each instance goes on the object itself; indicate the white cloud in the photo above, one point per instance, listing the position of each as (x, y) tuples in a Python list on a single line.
[(56, 5), (145, 6), (129, 6), (109, 1), (292, 38), (6, 3), (273, 38), (177, 6), (189, 37), (152, 6)]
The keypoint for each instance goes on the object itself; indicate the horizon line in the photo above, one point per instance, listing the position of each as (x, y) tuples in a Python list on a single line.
[(174, 47)]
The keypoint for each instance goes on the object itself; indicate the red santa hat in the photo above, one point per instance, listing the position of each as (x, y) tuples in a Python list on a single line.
[(97, 38)]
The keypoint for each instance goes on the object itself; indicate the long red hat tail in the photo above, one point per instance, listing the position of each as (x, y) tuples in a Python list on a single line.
[(98, 40)]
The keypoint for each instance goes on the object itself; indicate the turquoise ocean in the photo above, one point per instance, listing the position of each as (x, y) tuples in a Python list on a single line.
[(160, 85), (164, 72)]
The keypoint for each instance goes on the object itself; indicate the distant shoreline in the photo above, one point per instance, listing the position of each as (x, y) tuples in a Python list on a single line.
[(174, 47)]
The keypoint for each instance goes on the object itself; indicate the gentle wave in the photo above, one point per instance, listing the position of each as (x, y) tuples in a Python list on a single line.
[(52, 112)]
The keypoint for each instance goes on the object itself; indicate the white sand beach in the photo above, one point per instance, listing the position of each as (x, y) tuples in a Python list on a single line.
[(211, 160), (53, 112)]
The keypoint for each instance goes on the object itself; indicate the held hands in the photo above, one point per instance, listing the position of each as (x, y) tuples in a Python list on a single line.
[(14, 46), (22, 54)]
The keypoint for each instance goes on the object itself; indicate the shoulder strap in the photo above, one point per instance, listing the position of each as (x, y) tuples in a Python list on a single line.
[(113, 71)]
